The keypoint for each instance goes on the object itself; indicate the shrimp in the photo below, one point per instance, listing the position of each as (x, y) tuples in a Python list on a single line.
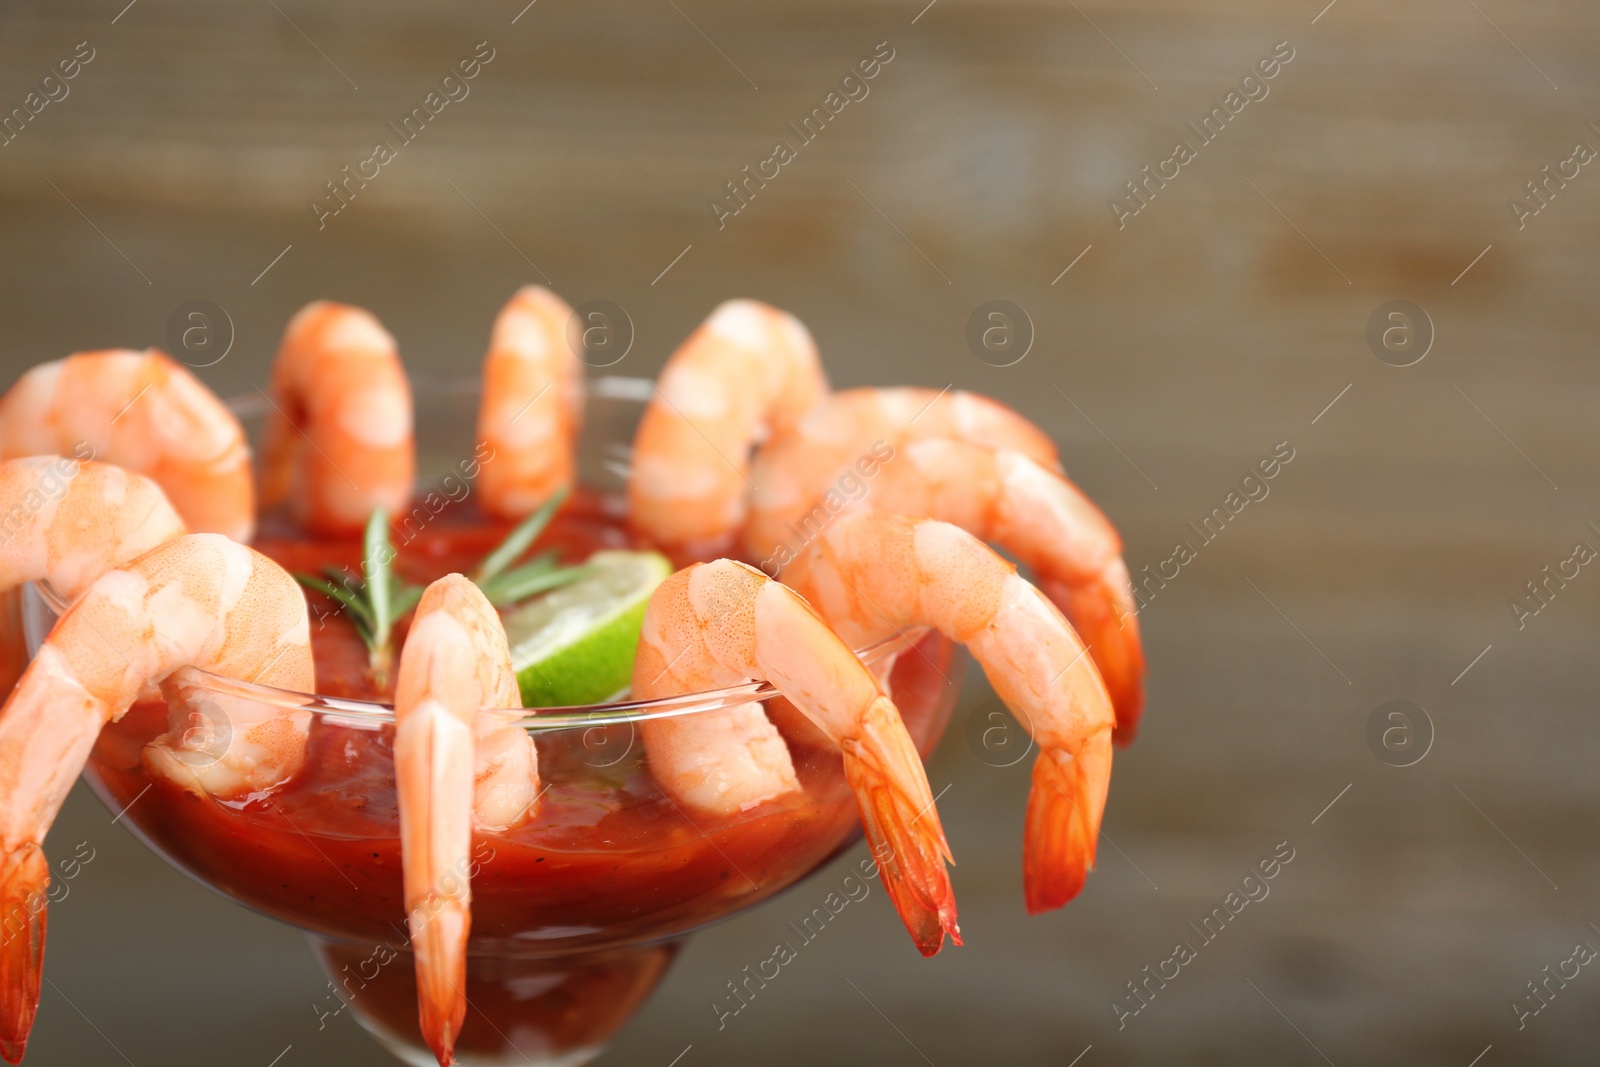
[(748, 371), (458, 760), (853, 431), (994, 479), (199, 600), (338, 443), (724, 623), (872, 573), (1047, 523), (144, 412), (532, 406), (70, 521)]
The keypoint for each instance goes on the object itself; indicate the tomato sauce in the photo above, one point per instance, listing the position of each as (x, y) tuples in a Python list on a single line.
[(575, 914)]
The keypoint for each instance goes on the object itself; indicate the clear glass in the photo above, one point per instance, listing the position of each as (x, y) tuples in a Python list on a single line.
[(577, 915)]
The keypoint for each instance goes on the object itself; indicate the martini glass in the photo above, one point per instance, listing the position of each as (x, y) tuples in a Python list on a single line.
[(575, 917)]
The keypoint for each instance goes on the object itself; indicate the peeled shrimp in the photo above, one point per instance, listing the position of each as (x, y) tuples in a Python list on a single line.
[(459, 759), (723, 623), (748, 371), (532, 406), (796, 469), (1047, 523), (871, 574), (70, 521), (338, 442), (990, 474), (199, 600), (145, 412)]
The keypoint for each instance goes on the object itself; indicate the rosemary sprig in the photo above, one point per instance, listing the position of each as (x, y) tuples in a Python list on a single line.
[(517, 541), (377, 599), (518, 585), (505, 587), (380, 598), (376, 555)]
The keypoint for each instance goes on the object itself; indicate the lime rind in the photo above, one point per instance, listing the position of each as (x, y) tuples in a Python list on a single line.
[(575, 644)]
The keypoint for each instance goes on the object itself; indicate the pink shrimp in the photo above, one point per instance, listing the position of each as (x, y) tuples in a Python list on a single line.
[(144, 412), (338, 442), (1048, 524), (872, 573), (199, 600), (748, 371), (459, 758), (860, 427), (532, 406), (997, 482), (70, 521), (723, 623)]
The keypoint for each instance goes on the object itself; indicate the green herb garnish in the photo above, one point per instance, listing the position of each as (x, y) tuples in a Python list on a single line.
[(379, 598), (506, 587)]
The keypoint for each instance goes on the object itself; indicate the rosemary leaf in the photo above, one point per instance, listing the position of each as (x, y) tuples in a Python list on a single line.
[(517, 541), (343, 577), (544, 561), (518, 585), (376, 555), (405, 598), (358, 610)]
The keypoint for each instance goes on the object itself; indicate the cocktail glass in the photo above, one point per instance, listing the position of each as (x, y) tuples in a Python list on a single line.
[(575, 917)]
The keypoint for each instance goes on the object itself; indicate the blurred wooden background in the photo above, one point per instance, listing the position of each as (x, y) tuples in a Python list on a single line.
[(1223, 319)]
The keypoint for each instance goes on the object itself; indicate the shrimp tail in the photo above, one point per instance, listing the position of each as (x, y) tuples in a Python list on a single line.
[(908, 842), (433, 760), (438, 938), (1063, 821), (1104, 613), (455, 664), (24, 874)]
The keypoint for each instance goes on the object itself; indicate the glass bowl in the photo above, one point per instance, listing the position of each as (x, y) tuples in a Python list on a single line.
[(575, 915)]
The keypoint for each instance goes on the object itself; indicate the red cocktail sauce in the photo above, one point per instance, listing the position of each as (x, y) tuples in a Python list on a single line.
[(575, 913)]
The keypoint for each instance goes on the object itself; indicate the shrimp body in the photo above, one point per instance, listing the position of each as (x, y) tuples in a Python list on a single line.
[(872, 573), (338, 442), (750, 370), (795, 470), (723, 623), (459, 758), (70, 521), (994, 476), (532, 406), (199, 600), (147, 413), (1046, 522)]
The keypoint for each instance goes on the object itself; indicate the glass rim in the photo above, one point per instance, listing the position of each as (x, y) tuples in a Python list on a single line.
[(369, 714)]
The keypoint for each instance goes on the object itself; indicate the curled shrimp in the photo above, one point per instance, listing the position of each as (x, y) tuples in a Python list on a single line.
[(991, 473), (199, 600), (748, 371), (458, 759), (1046, 522), (796, 469), (722, 623), (873, 573), (147, 413), (532, 406), (338, 442)]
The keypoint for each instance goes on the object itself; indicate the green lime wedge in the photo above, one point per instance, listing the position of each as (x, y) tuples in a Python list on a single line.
[(575, 644)]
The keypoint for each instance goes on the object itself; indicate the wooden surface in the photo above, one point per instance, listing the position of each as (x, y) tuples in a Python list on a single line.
[(1176, 352)]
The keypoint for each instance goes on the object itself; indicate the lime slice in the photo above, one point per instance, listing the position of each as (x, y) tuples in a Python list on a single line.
[(575, 644)]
